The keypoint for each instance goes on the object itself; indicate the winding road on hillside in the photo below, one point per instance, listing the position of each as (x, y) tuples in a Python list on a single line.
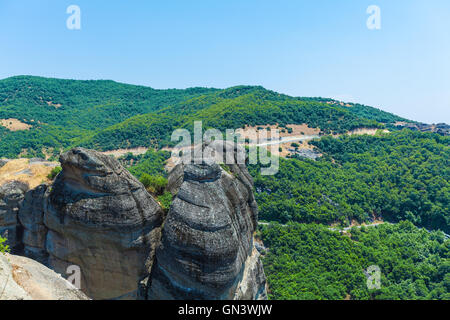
[(286, 140)]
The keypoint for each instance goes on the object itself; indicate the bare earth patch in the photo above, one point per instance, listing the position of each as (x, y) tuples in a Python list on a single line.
[(49, 152), (286, 148), (51, 104), (300, 135), (297, 130), (31, 172), (14, 124), (174, 160), (339, 103)]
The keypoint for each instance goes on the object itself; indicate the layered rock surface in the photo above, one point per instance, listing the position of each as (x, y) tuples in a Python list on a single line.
[(102, 219), (207, 249)]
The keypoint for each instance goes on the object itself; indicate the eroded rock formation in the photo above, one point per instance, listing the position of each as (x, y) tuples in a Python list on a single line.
[(207, 249), (98, 217)]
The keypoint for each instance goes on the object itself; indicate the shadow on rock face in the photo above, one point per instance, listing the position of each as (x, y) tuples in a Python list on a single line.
[(100, 218)]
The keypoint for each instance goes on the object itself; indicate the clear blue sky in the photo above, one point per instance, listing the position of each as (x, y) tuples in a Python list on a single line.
[(302, 48)]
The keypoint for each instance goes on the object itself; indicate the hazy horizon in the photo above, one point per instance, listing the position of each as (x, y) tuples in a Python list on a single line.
[(149, 86)]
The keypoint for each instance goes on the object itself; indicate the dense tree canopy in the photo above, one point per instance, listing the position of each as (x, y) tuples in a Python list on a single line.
[(401, 177), (398, 176), (309, 261), (107, 115), (151, 163)]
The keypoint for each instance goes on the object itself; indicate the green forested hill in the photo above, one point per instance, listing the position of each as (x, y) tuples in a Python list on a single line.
[(398, 176), (86, 105), (108, 115), (63, 111), (402, 177), (308, 261), (362, 110)]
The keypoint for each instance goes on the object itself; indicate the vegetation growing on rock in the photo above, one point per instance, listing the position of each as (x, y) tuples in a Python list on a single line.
[(3, 246), (309, 261)]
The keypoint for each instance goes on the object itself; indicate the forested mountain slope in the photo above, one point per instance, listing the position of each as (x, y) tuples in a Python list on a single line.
[(229, 109), (403, 175), (107, 115)]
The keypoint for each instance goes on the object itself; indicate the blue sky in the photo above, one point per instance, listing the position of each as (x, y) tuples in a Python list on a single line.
[(302, 48)]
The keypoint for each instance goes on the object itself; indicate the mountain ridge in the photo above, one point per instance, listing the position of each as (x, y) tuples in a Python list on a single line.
[(104, 114)]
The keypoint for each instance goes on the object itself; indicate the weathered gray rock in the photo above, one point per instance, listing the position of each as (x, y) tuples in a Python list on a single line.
[(11, 196), (207, 249), (100, 218), (25, 279), (31, 217), (261, 248)]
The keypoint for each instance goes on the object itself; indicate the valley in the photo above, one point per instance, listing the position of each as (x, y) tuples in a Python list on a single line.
[(341, 164)]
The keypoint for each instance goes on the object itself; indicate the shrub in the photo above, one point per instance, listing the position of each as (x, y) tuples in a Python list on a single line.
[(55, 171), (225, 167), (154, 184)]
